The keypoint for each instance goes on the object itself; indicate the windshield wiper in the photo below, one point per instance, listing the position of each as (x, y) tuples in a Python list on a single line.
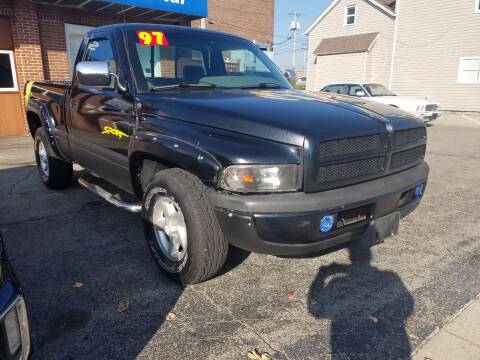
[(261, 86), (185, 86)]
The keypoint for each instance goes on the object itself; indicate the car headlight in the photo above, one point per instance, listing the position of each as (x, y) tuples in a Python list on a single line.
[(261, 178)]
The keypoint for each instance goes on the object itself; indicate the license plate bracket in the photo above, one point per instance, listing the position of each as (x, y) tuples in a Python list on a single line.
[(387, 226)]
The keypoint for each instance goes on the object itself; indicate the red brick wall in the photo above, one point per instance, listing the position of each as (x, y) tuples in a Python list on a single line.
[(251, 19), (26, 43)]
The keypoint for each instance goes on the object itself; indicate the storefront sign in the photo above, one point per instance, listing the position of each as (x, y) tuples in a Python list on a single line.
[(187, 7)]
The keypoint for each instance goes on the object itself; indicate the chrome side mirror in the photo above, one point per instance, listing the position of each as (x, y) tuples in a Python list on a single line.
[(93, 73), (96, 73), (291, 76)]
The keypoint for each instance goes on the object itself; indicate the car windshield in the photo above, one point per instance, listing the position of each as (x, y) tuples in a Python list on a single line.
[(169, 59), (378, 90)]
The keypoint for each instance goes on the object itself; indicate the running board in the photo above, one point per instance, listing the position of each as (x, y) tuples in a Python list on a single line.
[(93, 184)]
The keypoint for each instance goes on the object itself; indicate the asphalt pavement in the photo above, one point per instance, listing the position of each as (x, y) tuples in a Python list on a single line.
[(94, 292)]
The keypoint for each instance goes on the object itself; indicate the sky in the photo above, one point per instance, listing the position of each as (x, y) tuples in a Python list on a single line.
[(309, 10)]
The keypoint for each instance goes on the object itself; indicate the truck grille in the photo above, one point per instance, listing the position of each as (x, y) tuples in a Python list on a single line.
[(352, 145), (403, 158), (351, 169), (404, 137), (349, 161)]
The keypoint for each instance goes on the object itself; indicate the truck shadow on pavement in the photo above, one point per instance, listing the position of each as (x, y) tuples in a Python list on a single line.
[(367, 307)]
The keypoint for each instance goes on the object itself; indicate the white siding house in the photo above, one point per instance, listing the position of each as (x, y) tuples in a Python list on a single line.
[(372, 65), (424, 48)]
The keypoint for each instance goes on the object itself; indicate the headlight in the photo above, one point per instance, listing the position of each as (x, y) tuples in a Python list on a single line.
[(261, 178)]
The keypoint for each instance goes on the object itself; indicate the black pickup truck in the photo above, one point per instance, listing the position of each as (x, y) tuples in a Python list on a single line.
[(202, 133)]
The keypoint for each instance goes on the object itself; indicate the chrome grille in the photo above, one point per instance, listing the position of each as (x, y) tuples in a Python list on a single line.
[(404, 137), (352, 145), (351, 169), (406, 157)]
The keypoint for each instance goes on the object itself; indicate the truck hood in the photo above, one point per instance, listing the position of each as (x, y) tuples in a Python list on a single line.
[(285, 116)]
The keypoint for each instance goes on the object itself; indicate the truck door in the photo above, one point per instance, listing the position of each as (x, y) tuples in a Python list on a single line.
[(101, 118)]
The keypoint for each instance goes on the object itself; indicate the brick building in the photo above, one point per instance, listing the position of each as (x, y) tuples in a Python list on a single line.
[(39, 38)]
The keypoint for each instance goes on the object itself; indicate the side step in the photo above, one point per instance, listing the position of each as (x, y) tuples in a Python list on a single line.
[(110, 193)]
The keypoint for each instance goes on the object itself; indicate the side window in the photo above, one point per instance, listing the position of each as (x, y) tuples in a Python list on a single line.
[(239, 62), (356, 90), (101, 50), (350, 15), (336, 89)]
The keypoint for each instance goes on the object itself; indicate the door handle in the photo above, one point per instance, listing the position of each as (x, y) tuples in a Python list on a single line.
[(74, 106)]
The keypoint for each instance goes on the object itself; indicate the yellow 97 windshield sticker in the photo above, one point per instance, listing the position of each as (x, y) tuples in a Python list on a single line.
[(107, 130), (152, 38)]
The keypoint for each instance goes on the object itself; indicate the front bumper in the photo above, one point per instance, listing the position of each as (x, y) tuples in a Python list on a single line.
[(429, 116), (288, 224), (14, 329)]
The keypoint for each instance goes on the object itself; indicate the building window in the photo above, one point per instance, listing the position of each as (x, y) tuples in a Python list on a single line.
[(469, 70), (74, 37), (350, 15), (8, 77)]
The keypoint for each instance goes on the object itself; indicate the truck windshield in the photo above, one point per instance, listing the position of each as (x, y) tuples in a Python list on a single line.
[(187, 59), (378, 90)]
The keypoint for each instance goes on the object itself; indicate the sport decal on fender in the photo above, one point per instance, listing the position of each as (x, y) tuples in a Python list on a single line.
[(108, 130), (152, 38), (28, 92)]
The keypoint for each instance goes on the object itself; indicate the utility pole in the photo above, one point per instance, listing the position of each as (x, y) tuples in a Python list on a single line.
[(305, 48), (294, 27)]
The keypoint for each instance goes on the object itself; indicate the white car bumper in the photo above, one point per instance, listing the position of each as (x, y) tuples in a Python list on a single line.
[(429, 115)]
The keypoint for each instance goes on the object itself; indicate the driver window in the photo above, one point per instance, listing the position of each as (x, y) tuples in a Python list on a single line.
[(101, 50), (336, 89)]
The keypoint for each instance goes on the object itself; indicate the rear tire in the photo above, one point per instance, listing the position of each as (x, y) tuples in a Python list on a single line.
[(55, 173), (181, 228)]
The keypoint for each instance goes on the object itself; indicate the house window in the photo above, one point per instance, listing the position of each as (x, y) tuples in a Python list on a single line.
[(469, 70), (8, 77), (350, 15)]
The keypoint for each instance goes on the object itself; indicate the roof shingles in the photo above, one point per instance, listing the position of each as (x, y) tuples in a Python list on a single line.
[(346, 44)]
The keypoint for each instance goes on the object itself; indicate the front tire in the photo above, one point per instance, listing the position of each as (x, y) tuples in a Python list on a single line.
[(181, 227), (54, 172)]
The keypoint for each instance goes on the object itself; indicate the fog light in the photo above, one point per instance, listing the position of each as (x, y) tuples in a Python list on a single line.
[(419, 191), (327, 223)]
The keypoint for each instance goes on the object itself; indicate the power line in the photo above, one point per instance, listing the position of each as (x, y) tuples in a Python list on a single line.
[(288, 38)]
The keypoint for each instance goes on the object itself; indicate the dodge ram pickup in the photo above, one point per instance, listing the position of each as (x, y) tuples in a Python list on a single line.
[(201, 133)]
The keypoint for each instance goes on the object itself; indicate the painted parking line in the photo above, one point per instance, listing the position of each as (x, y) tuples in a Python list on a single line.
[(471, 119)]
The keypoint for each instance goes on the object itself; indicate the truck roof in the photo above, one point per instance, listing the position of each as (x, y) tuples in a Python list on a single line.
[(147, 26)]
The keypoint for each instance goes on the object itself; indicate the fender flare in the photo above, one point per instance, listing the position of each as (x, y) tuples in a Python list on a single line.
[(40, 110), (175, 152)]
